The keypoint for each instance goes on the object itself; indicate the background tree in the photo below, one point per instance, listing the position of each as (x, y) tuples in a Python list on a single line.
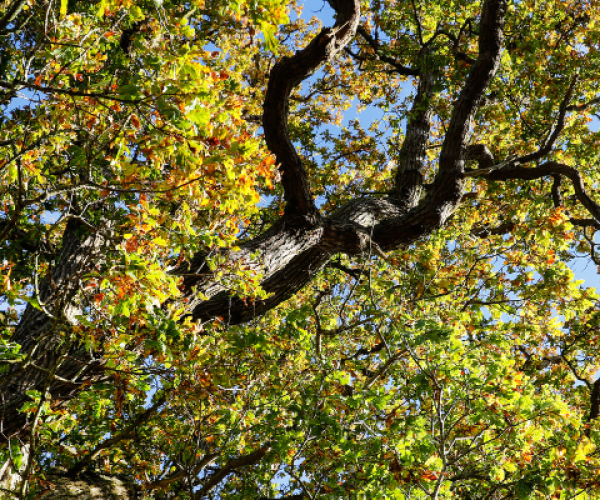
[(397, 318)]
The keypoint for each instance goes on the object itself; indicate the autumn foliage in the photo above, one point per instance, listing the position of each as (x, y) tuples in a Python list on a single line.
[(247, 257)]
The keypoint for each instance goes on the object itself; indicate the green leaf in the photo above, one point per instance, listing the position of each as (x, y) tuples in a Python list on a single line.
[(268, 32)]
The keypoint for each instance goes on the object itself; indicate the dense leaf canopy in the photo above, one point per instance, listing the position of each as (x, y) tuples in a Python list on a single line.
[(245, 256)]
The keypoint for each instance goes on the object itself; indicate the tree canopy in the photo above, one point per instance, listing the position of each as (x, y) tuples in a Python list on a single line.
[(216, 285)]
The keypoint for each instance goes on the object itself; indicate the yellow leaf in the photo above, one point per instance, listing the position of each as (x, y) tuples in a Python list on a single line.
[(63, 8)]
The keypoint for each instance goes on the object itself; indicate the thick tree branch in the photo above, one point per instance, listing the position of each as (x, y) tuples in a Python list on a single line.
[(481, 154), (287, 74), (411, 158), (290, 257), (556, 197), (89, 487), (289, 254), (458, 54), (23, 238), (503, 228), (491, 41), (583, 106), (586, 223), (355, 273), (549, 169), (228, 468), (205, 461), (41, 332)]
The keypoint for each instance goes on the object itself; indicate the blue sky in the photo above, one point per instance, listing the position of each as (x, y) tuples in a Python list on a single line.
[(583, 269)]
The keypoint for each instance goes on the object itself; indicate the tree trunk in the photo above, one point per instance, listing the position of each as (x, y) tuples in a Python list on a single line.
[(293, 250), (89, 487)]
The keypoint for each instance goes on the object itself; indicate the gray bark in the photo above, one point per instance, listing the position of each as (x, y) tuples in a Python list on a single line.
[(90, 487), (295, 247), (292, 251)]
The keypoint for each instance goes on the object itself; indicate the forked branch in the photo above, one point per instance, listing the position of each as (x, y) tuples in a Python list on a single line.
[(284, 77)]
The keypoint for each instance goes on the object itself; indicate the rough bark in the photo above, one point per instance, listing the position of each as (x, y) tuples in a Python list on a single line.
[(54, 358), (411, 158), (284, 77), (299, 244), (302, 241), (295, 248), (89, 487)]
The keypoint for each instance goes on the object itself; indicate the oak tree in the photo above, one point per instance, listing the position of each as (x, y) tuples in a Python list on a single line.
[(217, 285)]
